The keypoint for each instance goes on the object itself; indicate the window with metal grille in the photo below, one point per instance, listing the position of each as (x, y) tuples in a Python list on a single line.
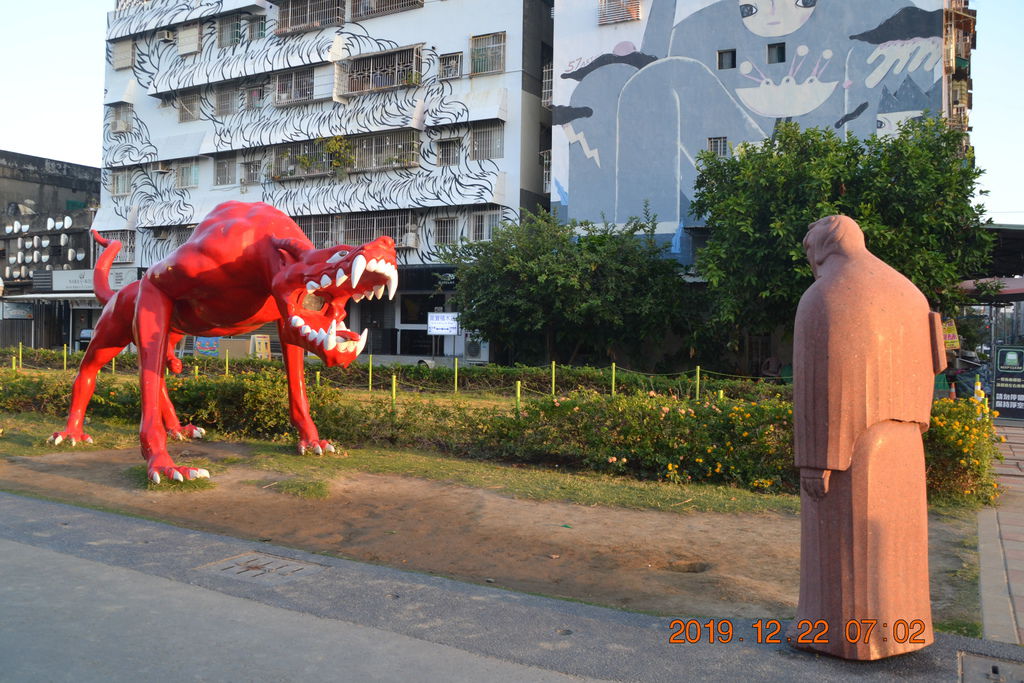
[(306, 15), (361, 228), (776, 53), (251, 172), (384, 70), (127, 240), (487, 53), (224, 170), (254, 97), (487, 140), (392, 149), (727, 59), (449, 66), (614, 11), (366, 9), (188, 107), (229, 30), (448, 152), (122, 54), (322, 231), (446, 230), (719, 146), (186, 173), (121, 117), (546, 84), (120, 182), (257, 27), (294, 86), (227, 101), (301, 160), (483, 224)]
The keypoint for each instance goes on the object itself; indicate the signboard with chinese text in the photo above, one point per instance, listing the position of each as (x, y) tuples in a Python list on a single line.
[(81, 280), (17, 311), (949, 335), (1008, 388), (442, 323)]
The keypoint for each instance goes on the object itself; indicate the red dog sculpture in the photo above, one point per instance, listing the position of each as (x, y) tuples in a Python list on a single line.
[(244, 266)]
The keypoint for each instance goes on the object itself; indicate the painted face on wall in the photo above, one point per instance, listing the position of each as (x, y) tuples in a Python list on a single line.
[(888, 124), (771, 18)]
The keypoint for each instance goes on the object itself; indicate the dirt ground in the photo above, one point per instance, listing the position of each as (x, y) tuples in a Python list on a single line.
[(694, 564)]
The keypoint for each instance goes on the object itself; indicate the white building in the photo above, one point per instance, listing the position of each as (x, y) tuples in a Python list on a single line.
[(418, 119)]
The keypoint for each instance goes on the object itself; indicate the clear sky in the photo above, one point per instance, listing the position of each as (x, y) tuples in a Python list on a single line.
[(52, 54)]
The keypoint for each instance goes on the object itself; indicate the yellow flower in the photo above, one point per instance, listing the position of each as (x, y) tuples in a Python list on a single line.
[(744, 433), (700, 459)]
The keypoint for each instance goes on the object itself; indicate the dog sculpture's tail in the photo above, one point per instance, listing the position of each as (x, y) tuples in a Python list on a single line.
[(101, 274)]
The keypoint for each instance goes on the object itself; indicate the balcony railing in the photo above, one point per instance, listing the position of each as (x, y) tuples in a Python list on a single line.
[(367, 9)]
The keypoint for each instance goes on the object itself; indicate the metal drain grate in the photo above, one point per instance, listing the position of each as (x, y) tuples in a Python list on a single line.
[(981, 669), (262, 568)]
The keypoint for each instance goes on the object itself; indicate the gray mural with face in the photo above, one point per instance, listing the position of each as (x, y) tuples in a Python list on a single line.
[(726, 74)]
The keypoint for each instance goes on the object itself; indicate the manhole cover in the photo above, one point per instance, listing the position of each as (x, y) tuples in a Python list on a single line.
[(981, 669), (262, 568)]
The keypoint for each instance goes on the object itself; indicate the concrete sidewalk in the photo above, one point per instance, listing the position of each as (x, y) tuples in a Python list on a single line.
[(88, 595), (1001, 544)]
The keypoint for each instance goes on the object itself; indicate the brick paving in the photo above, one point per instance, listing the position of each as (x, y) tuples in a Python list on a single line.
[(1009, 517)]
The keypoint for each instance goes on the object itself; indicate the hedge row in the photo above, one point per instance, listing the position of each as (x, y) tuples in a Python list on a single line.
[(648, 435), (486, 378)]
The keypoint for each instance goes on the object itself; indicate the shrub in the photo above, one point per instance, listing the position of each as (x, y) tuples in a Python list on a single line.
[(960, 449)]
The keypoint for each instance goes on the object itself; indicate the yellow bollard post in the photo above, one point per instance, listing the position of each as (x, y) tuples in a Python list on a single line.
[(370, 382), (227, 356), (613, 379), (519, 388), (14, 364), (113, 365), (65, 356), (552, 379), (195, 371), (698, 382), (394, 392), (721, 394), (318, 378), (456, 375), (21, 366)]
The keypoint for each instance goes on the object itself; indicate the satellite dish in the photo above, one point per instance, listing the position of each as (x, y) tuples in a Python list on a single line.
[(21, 243), (71, 254), (49, 224), (7, 273), (35, 241), (24, 272), (21, 257), (81, 255), (45, 242), (63, 240), (24, 228), (35, 257), (12, 259), (67, 221), (8, 229), (17, 226), (66, 267), (49, 267), (45, 257)]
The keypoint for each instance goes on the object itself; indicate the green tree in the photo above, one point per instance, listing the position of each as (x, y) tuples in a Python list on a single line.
[(547, 290), (911, 193)]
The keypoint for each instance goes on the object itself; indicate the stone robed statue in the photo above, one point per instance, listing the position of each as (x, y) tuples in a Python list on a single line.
[(866, 351)]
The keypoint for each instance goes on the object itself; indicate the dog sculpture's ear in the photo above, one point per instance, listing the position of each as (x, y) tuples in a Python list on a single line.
[(290, 249)]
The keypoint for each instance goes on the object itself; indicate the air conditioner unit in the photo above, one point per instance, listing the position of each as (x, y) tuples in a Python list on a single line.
[(163, 167), (120, 126), (477, 351), (409, 240), (166, 36)]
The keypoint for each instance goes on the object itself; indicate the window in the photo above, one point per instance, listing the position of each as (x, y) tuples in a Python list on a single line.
[(366, 9), (776, 53), (227, 101), (614, 11), (306, 15), (386, 70), (445, 230), (487, 53), (120, 183), (254, 97), (257, 27), (251, 172), (546, 84), (361, 228), (122, 54), (188, 108), (486, 140), (189, 39), (301, 160), (294, 86), (449, 66), (483, 224), (393, 149), (448, 152), (229, 30), (224, 170), (719, 146), (121, 117), (127, 240), (727, 59), (186, 173), (322, 231)]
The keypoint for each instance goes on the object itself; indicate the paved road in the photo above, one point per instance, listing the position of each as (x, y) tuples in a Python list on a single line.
[(90, 596)]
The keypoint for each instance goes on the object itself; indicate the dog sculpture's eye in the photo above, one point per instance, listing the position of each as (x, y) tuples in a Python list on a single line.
[(312, 302)]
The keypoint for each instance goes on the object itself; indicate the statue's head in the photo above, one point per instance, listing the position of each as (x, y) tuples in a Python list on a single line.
[(313, 286), (830, 236), (772, 18)]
